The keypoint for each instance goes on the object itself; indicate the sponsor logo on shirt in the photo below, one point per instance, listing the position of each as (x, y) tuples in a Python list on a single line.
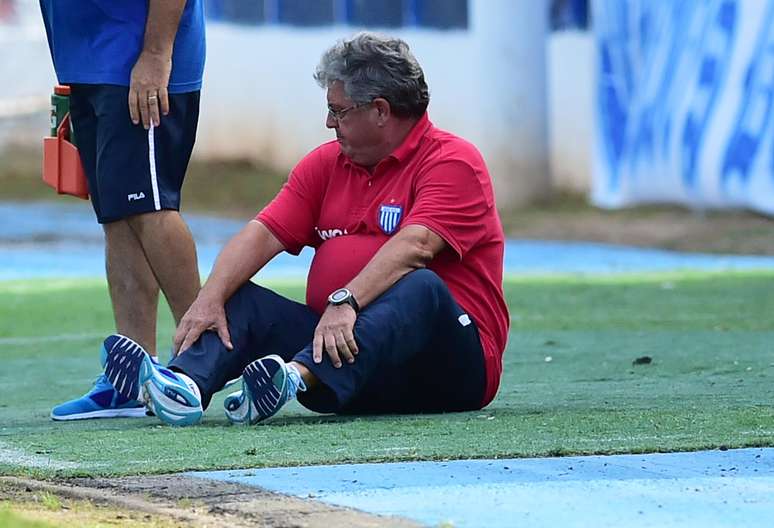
[(389, 217), (135, 196), (326, 234)]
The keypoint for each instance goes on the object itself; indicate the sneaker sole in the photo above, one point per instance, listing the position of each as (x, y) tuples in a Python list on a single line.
[(132, 374), (259, 387), (139, 412), (127, 371), (167, 407)]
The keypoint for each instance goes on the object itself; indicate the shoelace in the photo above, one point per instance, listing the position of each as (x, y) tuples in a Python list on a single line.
[(295, 380)]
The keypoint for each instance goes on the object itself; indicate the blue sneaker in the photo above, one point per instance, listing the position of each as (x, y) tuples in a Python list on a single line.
[(102, 401), (267, 384), (136, 377)]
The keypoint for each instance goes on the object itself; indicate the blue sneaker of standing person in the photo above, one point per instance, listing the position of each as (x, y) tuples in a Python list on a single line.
[(102, 401), (175, 400), (267, 384)]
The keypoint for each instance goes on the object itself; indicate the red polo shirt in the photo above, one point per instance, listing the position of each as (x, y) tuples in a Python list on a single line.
[(433, 179)]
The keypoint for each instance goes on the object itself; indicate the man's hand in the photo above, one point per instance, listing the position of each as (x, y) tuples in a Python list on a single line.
[(148, 98), (335, 334), (203, 315)]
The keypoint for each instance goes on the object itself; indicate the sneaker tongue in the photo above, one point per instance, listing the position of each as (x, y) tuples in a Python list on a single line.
[(104, 398), (295, 380)]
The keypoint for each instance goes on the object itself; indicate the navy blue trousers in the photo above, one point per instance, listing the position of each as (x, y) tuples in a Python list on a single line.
[(418, 350)]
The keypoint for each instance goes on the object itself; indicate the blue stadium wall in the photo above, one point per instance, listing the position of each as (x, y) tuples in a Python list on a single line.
[(684, 103)]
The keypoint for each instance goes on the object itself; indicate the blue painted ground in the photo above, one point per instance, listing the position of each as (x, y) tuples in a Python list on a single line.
[(49, 239), (705, 489)]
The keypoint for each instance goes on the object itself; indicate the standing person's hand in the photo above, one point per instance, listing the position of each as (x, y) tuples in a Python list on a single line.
[(203, 315), (148, 98), (335, 334)]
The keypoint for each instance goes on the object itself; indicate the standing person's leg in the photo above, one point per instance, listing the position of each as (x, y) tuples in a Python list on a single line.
[(135, 177), (165, 239), (143, 253), (168, 247), (139, 177), (134, 291)]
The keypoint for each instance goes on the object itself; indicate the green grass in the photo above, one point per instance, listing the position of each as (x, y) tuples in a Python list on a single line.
[(10, 519), (709, 385)]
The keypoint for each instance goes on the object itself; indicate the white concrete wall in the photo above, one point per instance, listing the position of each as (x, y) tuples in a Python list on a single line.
[(487, 84), (261, 102), (571, 109), (26, 78), (510, 37)]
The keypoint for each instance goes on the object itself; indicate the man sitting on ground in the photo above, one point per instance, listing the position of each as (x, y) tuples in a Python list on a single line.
[(404, 306)]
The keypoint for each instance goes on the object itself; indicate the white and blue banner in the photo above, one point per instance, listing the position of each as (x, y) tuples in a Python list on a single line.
[(684, 103)]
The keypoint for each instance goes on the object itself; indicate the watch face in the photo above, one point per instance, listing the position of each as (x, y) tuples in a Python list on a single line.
[(339, 295)]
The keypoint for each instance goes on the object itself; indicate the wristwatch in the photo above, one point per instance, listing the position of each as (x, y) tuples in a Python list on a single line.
[(343, 296)]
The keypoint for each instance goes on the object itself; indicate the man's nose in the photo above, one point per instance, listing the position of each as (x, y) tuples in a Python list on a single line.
[(330, 121)]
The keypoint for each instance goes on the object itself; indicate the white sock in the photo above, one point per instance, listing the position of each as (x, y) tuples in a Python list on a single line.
[(294, 376), (191, 385)]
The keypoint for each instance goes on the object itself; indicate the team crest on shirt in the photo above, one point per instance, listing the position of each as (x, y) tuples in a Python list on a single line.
[(389, 217)]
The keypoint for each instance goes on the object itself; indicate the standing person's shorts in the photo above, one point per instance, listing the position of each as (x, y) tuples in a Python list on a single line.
[(131, 170)]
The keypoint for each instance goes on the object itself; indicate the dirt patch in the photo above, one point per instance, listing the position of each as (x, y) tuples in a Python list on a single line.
[(187, 501), (34, 505), (570, 218)]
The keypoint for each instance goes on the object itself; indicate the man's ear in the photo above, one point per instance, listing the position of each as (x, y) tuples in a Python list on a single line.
[(383, 110)]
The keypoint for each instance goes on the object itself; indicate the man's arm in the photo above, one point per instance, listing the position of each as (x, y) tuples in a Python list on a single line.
[(412, 248), (148, 97), (242, 257)]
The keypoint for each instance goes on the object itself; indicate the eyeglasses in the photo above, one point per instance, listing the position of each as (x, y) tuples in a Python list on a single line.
[(338, 115)]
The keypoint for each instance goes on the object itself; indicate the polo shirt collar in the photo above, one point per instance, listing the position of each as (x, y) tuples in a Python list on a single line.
[(411, 143)]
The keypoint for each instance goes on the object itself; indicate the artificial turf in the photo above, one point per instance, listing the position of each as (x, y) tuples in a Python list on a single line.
[(570, 385)]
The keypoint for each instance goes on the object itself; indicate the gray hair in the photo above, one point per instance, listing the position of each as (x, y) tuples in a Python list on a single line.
[(371, 66)]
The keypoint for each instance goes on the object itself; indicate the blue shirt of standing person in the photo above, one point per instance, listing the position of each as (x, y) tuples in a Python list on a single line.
[(109, 40)]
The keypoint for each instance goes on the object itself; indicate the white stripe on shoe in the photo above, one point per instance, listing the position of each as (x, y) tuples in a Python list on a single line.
[(152, 163), (127, 412)]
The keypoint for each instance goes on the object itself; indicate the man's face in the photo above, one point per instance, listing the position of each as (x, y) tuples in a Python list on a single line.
[(356, 130)]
